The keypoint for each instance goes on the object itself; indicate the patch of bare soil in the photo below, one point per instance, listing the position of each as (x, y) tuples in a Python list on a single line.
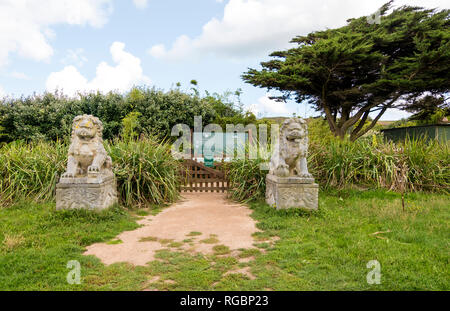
[(245, 271), (197, 223)]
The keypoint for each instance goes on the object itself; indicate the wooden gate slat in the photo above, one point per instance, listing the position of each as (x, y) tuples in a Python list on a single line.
[(196, 177)]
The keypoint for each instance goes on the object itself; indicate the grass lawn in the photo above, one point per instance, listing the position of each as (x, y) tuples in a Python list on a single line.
[(325, 250)]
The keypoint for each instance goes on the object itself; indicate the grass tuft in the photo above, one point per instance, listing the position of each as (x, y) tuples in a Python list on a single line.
[(221, 249)]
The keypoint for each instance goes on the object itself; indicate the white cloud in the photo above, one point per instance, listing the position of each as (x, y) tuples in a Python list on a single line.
[(2, 92), (121, 77), (140, 4), (75, 57), (392, 115), (255, 27), (19, 75), (266, 105), (25, 24), (157, 51)]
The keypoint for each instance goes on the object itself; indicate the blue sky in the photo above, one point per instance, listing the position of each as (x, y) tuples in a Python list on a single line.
[(114, 44)]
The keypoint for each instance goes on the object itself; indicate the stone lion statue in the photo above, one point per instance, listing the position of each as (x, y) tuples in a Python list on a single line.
[(87, 156), (291, 150)]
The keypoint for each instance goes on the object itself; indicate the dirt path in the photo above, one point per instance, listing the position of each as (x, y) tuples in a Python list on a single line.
[(197, 223)]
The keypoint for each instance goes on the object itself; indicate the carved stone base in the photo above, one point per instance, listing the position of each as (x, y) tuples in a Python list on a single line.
[(86, 193), (292, 192)]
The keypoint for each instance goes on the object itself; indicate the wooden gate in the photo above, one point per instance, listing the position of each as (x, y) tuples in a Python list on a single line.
[(196, 177)]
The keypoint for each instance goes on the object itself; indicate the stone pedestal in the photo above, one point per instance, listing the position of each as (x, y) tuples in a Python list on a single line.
[(292, 192), (93, 193)]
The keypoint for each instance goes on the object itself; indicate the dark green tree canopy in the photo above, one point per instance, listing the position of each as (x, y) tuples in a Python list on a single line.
[(429, 109), (362, 68)]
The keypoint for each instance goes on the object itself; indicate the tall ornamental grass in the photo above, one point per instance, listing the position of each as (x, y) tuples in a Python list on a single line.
[(247, 177), (412, 165), (144, 169), (30, 170)]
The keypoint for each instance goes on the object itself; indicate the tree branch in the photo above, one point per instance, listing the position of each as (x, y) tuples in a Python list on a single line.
[(374, 122), (360, 124)]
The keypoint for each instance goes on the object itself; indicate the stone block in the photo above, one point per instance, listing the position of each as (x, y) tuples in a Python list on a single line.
[(86, 193), (292, 192)]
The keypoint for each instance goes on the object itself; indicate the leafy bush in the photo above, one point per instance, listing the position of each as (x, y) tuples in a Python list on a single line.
[(145, 170), (49, 116)]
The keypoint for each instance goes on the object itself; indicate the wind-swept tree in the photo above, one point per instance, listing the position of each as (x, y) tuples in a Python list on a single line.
[(362, 68), (429, 109)]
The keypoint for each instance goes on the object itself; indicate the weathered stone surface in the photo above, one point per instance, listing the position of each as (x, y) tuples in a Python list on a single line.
[(291, 149), (89, 181), (289, 184), (283, 193), (86, 193)]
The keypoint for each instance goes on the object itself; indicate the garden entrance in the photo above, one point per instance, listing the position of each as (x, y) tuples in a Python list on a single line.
[(197, 177)]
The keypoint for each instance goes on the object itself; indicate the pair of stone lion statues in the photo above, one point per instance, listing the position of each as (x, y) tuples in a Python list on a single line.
[(87, 155)]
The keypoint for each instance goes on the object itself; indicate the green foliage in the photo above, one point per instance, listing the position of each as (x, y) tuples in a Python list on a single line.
[(30, 170), (319, 130), (247, 177), (403, 123), (413, 165), (246, 180), (141, 111), (351, 71), (327, 250), (129, 125), (37, 242), (429, 110), (49, 116), (145, 170)]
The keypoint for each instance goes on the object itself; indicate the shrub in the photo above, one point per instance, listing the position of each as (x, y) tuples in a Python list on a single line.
[(49, 116)]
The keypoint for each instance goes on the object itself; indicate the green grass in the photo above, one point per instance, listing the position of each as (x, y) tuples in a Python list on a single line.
[(175, 244), (194, 233), (36, 242), (329, 249), (117, 241), (210, 240), (249, 253), (221, 249), (148, 239), (324, 250), (165, 241)]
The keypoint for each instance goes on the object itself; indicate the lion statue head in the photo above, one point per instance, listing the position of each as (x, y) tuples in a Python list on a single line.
[(87, 127), (294, 132)]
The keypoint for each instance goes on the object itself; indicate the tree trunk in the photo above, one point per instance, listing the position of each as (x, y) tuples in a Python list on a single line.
[(357, 135)]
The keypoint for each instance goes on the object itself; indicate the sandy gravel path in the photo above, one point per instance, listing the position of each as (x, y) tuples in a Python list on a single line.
[(197, 223)]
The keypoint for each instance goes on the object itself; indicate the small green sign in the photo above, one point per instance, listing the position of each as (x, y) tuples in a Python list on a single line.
[(209, 162)]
